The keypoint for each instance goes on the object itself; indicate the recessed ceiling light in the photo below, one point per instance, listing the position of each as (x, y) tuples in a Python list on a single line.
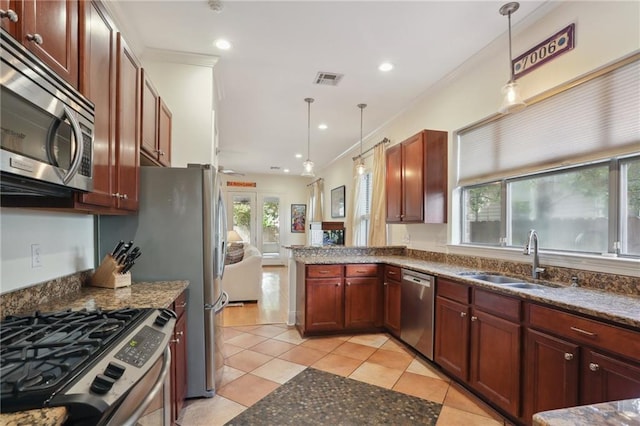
[(322, 126), (223, 44), (298, 155), (385, 66), (286, 170)]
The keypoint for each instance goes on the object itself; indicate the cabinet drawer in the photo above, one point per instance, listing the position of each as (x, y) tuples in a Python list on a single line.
[(362, 270), (501, 306), (392, 273), (452, 290), (594, 333), (180, 304), (324, 271)]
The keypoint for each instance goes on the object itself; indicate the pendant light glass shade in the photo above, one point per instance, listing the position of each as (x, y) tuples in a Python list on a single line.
[(360, 167), (512, 101), (308, 164)]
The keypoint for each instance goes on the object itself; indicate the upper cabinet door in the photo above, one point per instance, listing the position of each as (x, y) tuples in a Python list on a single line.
[(164, 135), (413, 179), (394, 184), (150, 106), (50, 30)]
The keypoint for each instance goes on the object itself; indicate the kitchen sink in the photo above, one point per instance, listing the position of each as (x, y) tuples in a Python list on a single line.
[(495, 279), (529, 286)]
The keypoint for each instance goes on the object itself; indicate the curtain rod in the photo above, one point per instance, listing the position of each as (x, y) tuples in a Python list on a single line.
[(317, 180), (385, 140)]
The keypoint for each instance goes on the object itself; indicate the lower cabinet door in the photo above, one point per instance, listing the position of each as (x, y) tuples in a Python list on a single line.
[(179, 366), (362, 302), (452, 337), (495, 360), (608, 379), (551, 370), (324, 304), (392, 292)]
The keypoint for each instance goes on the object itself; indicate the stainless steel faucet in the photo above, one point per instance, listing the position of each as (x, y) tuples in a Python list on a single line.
[(532, 238)]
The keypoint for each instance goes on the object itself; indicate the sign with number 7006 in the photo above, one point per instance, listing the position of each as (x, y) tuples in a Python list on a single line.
[(559, 43)]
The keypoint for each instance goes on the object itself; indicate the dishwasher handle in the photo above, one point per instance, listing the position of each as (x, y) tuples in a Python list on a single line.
[(424, 280)]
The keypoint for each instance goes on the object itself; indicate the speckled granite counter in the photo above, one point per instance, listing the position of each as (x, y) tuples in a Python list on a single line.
[(159, 294), (614, 307), (620, 413)]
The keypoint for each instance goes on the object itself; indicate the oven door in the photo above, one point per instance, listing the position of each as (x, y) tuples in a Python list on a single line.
[(142, 394)]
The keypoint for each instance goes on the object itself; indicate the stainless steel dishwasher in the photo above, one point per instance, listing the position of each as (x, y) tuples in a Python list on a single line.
[(417, 311)]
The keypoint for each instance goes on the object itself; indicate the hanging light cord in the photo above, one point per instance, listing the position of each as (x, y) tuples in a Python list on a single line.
[(362, 107), (510, 54), (308, 100)]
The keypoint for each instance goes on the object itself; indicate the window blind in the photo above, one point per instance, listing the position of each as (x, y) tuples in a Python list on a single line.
[(597, 119)]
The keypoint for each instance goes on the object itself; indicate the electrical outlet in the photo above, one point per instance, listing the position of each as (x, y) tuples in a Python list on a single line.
[(36, 256)]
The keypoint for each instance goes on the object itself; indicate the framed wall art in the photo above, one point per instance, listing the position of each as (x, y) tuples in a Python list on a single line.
[(298, 217), (337, 202)]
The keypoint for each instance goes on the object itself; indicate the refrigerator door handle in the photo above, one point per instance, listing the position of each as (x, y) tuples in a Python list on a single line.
[(220, 304)]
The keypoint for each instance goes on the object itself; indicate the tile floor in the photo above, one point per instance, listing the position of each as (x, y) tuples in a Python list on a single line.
[(259, 358)]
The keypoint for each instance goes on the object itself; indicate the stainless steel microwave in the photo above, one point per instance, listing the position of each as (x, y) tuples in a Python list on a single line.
[(46, 128)]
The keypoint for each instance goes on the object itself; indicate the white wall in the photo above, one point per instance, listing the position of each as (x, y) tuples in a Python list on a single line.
[(185, 83), (65, 239), (605, 32)]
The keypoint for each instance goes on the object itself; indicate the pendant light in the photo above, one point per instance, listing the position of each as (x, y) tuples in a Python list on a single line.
[(360, 168), (512, 99), (308, 165)]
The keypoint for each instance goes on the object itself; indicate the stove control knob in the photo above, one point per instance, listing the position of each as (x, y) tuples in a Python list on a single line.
[(161, 320), (114, 370), (101, 384)]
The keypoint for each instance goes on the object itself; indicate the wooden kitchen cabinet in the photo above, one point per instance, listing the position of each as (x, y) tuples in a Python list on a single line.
[(362, 298), (335, 298), (116, 160), (10, 18), (392, 299), (179, 359), (571, 360), (479, 341), (49, 29), (156, 126), (416, 181)]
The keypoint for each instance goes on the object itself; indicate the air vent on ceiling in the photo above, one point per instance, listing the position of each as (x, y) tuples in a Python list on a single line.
[(328, 78), (275, 167)]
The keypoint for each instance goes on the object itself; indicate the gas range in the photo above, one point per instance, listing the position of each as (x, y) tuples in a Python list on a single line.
[(88, 361)]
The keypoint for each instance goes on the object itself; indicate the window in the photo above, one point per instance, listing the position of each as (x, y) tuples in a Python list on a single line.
[(363, 210), (573, 210)]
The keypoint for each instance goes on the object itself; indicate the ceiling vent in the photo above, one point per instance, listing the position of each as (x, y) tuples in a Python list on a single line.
[(275, 167), (328, 78)]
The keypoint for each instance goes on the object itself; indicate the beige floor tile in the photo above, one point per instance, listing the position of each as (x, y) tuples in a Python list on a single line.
[(422, 367), (247, 360), (248, 389), (229, 374), (246, 340), (354, 350), (394, 345), (463, 400), (230, 333), (246, 328), (337, 364), (278, 370), (273, 347), (302, 355), (422, 386), (326, 344), (376, 374), (290, 336), (373, 340), (230, 349), (450, 416), (267, 331), (391, 359), (210, 411)]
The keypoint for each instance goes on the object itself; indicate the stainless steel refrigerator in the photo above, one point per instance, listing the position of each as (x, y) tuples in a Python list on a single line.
[(181, 231)]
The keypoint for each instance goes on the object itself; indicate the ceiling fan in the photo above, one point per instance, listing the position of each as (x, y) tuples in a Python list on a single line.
[(229, 172)]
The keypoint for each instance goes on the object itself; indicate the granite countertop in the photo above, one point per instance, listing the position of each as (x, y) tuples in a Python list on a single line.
[(618, 308), (626, 412), (159, 294)]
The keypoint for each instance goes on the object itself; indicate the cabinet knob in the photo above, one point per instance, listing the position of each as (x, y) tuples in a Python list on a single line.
[(9, 14), (474, 318), (348, 282), (176, 341), (36, 38), (116, 195), (337, 284), (385, 283), (463, 314), (161, 153), (568, 356), (124, 196), (593, 366), (180, 333)]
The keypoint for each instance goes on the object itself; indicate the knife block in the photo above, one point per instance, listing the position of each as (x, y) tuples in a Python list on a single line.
[(108, 275)]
